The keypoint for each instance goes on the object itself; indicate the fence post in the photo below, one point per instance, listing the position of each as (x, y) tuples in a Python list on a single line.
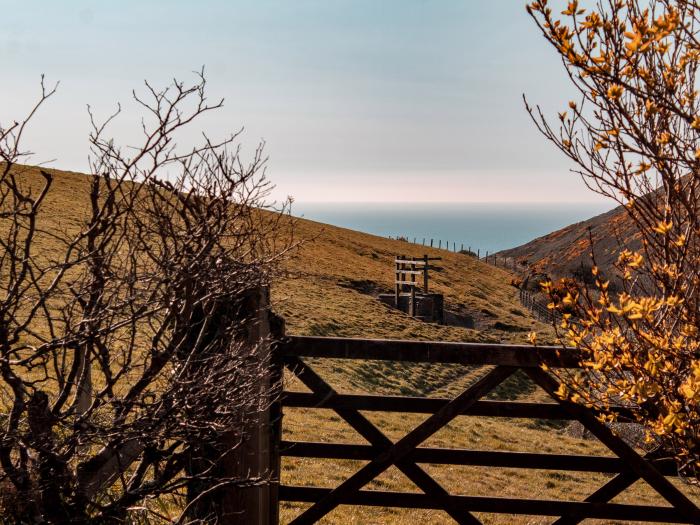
[(277, 377), (423, 241), (413, 288), (431, 243), (425, 273), (477, 254), (439, 243), (256, 456), (397, 285)]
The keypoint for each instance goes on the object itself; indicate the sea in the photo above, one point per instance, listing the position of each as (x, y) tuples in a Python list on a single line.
[(477, 226)]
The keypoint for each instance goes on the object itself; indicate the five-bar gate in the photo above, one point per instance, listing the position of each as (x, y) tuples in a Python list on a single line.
[(407, 453)]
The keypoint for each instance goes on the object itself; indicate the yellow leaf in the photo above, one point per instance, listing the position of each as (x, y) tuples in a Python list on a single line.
[(532, 337), (615, 91)]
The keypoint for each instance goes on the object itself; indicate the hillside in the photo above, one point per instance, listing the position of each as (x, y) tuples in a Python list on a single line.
[(563, 252), (337, 274), (334, 276), (330, 290)]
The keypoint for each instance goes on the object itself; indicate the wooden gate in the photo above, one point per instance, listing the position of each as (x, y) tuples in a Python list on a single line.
[(407, 453)]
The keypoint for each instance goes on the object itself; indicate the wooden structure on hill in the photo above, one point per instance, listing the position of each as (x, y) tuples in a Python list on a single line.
[(411, 292)]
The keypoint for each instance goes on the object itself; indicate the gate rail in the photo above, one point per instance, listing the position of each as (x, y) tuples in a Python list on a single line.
[(407, 454)]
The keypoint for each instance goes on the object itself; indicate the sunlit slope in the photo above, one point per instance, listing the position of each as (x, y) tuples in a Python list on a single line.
[(563, 252), (340, 271), (336, 274)]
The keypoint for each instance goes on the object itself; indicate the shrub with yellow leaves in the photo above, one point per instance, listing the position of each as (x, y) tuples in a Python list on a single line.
[(635, 137)]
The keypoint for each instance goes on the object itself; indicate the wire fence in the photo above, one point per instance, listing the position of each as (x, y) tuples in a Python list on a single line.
[(483, 255)]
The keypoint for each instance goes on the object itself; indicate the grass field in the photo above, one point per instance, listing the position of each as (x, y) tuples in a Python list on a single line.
[(330, 291)]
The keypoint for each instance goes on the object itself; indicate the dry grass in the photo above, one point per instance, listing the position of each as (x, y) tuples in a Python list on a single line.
[(326, 295)]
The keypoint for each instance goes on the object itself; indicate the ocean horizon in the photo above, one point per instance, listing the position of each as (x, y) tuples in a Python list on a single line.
[(491, 227)]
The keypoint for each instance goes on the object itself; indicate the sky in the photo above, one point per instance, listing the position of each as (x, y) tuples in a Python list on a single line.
[(356, 100)]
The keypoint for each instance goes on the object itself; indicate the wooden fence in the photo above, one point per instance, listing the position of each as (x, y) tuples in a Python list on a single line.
[(407, 453)]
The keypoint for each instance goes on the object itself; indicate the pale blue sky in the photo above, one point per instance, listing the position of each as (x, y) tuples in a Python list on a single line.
[(402, 100)]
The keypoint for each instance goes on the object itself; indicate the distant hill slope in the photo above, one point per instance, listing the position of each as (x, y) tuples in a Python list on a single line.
[(563, 252)]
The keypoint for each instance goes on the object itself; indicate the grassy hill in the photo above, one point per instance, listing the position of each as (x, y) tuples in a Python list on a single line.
[(338, 272), (563, 252), (330, 290)]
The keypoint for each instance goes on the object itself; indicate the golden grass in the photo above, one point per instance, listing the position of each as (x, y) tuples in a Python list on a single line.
[(323, 297)]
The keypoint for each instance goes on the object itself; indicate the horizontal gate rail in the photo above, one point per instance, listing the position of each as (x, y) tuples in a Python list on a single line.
[(409, 453), (430, 352), (426, 405), (380, 498), (484, 458)]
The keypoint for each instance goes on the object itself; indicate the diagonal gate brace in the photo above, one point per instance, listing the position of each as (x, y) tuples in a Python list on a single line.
[(397, 452), (377, 438), (640, 466)]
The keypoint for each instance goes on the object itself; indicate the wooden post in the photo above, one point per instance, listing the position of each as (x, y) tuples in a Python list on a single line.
[(431, 243), (412, 307), (277, 329), (439, 243), (257, 455), (477, 254), (423, 241), (397, 286), (425, 273)]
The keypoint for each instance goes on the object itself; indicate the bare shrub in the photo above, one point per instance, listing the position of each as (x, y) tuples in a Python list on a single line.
[(126, 366)]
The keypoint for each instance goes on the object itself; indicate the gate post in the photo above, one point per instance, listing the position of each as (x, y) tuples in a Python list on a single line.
[(248, 456), (258, 455)]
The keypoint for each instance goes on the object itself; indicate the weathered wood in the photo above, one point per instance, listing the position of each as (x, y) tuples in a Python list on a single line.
[(406, 454), (612, 488), (645, 469), (426, 405), (377, 438), (412, 303), (399, 450), (426, 267), (244, 451), (397, 283), (604, 494), (403, 259), (484, 458), (277, 329), (430, 351), (609, 511), (410, 272)]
